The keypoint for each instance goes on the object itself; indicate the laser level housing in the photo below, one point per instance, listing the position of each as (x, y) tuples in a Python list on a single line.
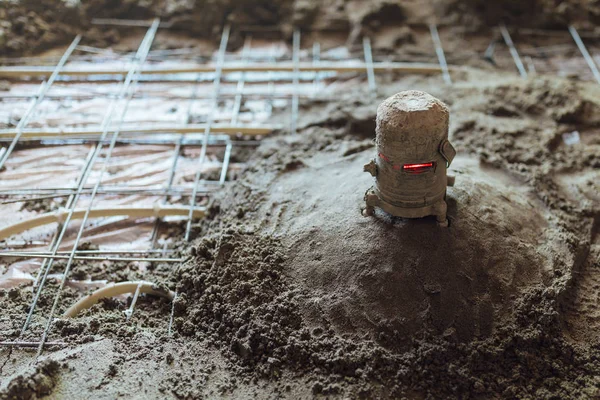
[(413, 154)]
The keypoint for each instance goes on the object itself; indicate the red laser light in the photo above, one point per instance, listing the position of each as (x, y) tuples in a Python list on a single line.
[(383, 157), (417, 168)]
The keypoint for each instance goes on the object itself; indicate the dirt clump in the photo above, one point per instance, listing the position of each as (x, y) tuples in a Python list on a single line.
[(539, 13), (30, 26), (233, 292), (42, 205), (35, 383)]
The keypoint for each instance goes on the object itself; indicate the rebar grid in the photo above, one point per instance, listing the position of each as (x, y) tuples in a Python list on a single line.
[(204, 135), (100, 138), (140, 59), (45, 86), (214, 105)]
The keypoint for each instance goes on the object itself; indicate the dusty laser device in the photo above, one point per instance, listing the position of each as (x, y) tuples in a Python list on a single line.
[(413, 154)]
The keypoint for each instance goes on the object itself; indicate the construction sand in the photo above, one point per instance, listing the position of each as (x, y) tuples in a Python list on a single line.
[(291, 292)]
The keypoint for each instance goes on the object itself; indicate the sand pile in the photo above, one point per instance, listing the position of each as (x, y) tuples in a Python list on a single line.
[(289, 291), (292, 278)]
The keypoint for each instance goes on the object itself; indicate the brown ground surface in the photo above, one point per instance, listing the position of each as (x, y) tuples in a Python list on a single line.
[(31, 26), (289, 292)]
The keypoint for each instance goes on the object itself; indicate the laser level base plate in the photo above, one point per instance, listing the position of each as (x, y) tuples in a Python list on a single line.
[(438, 209)]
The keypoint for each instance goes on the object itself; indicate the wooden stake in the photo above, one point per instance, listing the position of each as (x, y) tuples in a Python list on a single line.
[(188, 129), (415, 68)]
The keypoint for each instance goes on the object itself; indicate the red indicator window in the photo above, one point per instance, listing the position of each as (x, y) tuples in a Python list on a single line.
[(417, 168)]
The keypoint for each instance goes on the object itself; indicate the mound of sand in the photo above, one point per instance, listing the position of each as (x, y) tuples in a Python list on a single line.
[(395, 307), (370, 275)]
